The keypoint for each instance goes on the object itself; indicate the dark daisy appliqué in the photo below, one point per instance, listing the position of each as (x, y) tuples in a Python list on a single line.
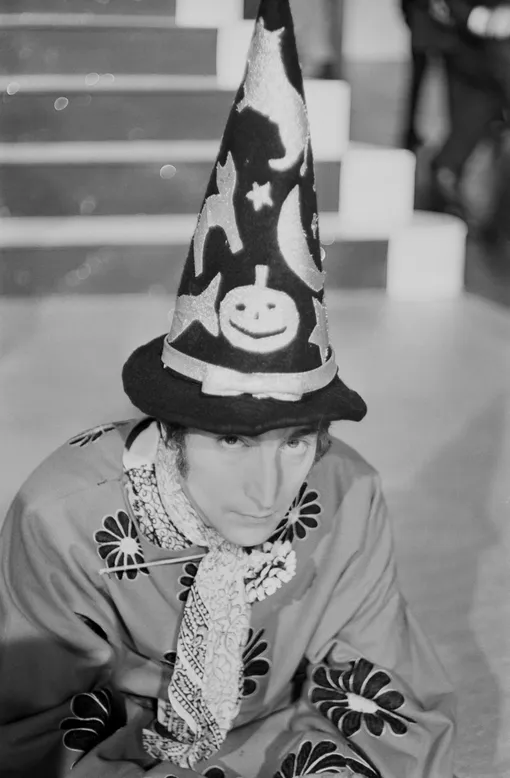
[(302, 516), (324, 757), (90, 436), (118, 544), (187, 579), (91, 721), (255, 665), (358, 695), (211, 772), (170, 658)]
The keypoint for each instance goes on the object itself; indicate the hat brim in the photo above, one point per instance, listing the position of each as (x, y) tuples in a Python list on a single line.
[(168, 396)]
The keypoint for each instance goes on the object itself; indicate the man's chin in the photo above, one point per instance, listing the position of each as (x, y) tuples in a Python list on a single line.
[(250, 538)]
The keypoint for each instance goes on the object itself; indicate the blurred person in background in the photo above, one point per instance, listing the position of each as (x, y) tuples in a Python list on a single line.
[(489, 24), (474, 101), (317, 26)]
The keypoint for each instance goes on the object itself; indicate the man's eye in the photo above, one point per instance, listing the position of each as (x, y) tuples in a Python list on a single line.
[(297, 444), (230, 441)]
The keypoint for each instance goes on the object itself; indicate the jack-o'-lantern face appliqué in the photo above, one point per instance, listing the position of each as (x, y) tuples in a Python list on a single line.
[(259, 319)]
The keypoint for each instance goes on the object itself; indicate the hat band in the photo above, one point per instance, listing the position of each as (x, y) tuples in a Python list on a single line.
[(224, 382)]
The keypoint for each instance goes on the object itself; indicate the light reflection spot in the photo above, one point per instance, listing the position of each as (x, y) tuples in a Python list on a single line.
[(61, 103), (167, 171)]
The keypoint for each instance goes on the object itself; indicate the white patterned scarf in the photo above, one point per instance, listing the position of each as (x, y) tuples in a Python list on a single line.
[(204, 693)]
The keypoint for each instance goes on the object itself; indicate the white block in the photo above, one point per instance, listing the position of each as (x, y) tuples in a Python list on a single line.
[(208, 13), (374, 31), (426, 258), (232, 51), (377, 185), (329, 110)]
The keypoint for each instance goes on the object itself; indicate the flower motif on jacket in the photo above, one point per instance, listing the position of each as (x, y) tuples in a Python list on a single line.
[(358, 695), (187, 579), (91, 721), (211, 772), (301, 517), (255, 666), (90, 436), (269, 567), (118, 544), (170, 658), (325, 757)]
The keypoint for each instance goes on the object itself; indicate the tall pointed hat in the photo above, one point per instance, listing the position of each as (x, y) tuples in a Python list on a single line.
[(249, 350)]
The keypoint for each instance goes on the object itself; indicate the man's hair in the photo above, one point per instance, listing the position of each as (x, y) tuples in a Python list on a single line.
[(174, 436)]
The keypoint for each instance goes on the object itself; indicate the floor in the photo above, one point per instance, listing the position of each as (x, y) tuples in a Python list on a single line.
[(436, 377)]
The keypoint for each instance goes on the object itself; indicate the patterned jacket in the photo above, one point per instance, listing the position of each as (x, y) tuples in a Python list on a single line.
[(337, 674)]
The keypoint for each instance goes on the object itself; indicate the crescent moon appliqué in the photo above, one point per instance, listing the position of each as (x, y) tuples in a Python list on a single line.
[(293, 243)]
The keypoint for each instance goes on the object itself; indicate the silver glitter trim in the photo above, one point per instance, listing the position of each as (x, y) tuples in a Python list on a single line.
[(268, 91), (218, 211), (320, 334), (200, 307), (259, 319), (293, 243), (224, 382)]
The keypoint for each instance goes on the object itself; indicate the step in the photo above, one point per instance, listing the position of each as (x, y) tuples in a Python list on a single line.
[(113, 108), (48, 43), (96, 107), (85, 48), (70, 179), (129, 188), (194, 13), (421, 260), (141, 7)]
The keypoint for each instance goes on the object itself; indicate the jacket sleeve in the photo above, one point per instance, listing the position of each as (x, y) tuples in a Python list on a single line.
[(59, 643), (376, 701), (376, 679)]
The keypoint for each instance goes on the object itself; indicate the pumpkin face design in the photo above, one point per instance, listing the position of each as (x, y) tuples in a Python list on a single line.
[(258, 319)]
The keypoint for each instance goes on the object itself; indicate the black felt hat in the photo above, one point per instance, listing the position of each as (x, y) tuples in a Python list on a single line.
[(248, 350)]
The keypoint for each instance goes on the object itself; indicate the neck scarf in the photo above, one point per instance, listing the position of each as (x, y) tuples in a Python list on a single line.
[(204, 693)]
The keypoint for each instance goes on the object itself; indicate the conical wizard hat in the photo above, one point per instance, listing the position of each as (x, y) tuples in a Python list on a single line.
[(248, 350)]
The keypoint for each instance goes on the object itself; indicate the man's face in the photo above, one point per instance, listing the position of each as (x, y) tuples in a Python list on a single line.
[(243, 486)]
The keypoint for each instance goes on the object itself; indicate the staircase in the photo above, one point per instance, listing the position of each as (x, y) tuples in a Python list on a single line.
[(112, 113)]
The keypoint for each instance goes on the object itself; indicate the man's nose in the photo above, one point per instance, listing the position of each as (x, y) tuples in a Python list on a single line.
[(263, 480)]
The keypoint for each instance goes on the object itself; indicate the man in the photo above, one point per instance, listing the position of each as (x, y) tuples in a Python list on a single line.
[(474, 99), (490, 22), (211, 590)]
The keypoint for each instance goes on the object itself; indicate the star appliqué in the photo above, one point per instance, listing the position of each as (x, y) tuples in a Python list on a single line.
[(320, 336), (260, 195), (200, 307)]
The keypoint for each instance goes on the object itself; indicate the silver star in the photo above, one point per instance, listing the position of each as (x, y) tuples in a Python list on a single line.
[(320, 336), (260, 195), (200, 307)]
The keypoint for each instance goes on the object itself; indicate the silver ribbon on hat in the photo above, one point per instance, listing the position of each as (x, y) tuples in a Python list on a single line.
[(225, 382)]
